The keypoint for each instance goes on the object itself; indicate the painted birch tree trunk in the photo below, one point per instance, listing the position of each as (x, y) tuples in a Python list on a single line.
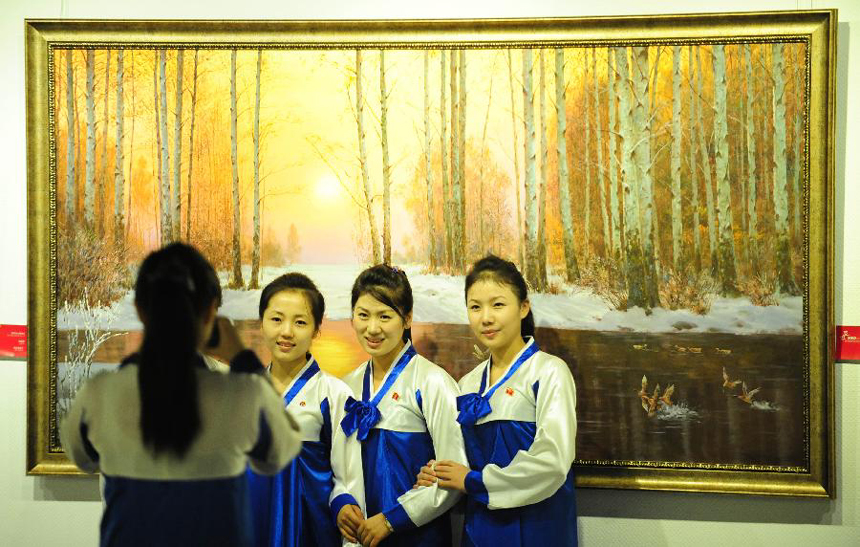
[(728, 275), (544, 156), (90, 173), (634, 260), (642, 160), (167, 224), (443, 149), (531, 194), (130, 150), (454, 203), (163, 197), (694, 170), (586, 122), (236, 281), (118, 179), (71, 194), (676, 157), (615, 206), (362, 150), (752, 215), (188, 185), (176, 213), (431, 224), (254, 283), (785, 277), (101, 181), (461, 133), (598, 137), (386, 164), (706, 168), (517, 186), (571, 267)]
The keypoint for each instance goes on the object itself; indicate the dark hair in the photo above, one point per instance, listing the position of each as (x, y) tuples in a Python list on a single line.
[(295, 281), (503, 272), (175, 286), (390, 286)]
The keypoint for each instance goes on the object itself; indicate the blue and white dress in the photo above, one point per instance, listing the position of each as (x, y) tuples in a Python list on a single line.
[(298, 507), (407, 422), (201, 498), (520, 436)]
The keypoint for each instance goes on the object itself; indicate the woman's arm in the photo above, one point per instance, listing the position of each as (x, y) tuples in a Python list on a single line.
[(74, 434), (419, 506), (537, 473), (347, 495)]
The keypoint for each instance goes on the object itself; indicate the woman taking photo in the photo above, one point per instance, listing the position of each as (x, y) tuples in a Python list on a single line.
[(403, 414), (518, 416), (171, 437), (323, 485)]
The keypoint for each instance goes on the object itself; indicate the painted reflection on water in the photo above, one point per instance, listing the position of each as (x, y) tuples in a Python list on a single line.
[(706, 418)]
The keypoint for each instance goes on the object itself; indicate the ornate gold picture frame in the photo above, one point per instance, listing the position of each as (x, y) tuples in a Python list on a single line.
[(676, 226)]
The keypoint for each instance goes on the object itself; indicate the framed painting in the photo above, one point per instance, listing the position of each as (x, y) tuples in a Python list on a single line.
[(665, 183)]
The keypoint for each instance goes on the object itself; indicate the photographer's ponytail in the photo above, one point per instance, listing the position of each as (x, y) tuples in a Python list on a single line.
[(175, 287)]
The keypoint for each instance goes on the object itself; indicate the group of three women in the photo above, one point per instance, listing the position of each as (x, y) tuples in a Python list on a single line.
[(398, 415), (387, 452)]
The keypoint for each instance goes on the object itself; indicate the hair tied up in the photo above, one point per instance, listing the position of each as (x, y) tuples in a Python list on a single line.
[(176, 279)]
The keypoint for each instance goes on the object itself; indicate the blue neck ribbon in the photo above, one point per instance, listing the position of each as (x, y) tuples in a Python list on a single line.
[(474, 406), (362, 415), (301, 381)]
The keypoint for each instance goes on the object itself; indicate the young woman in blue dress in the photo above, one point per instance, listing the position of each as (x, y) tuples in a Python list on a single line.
[(403, 412), (518, 417), (317, 500)]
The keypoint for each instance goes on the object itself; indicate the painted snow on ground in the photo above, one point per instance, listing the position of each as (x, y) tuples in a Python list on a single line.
[(439, 299)]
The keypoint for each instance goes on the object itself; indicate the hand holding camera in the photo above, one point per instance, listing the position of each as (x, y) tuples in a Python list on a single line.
[(224, 342)]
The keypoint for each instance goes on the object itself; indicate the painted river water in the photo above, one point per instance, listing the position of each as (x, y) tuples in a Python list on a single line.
[(706, 422)]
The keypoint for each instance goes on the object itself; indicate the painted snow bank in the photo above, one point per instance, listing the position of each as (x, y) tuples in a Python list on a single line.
[(439, 299)]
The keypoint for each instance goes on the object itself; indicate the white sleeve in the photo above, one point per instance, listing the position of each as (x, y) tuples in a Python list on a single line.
[(537, 473), (73, 434), (345, 454), (439, 405), (279, 439)]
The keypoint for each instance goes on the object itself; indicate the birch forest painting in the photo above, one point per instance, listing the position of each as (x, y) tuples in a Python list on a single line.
[(654, 196)]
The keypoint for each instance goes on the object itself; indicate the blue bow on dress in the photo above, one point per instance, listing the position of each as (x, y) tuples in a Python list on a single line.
[(474, 406), (360, 416)]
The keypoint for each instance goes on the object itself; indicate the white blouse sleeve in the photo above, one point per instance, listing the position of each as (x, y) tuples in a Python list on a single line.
[(439, 405), (346, 466), (73, 433), (537, 473)]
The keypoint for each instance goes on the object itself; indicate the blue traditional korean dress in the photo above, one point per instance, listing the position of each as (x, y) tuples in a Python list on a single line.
[(299, 506), (409, 421), (520, 437)]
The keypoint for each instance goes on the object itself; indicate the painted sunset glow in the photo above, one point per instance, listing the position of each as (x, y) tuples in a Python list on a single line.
[(653, 196)]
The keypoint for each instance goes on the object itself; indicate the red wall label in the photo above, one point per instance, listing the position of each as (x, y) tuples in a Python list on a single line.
[(13, 341), (847, 344)]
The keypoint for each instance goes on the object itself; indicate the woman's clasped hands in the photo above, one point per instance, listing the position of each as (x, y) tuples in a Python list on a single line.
[(445, 473)]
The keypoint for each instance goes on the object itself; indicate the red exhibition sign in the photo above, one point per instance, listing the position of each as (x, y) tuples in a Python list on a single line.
[(847, 344), (13, 341)]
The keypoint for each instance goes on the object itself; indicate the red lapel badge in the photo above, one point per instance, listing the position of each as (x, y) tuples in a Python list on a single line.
[(510, 392), (395, 396)]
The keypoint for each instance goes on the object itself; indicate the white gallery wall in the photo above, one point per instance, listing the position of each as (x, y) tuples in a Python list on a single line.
[(61, 511)]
